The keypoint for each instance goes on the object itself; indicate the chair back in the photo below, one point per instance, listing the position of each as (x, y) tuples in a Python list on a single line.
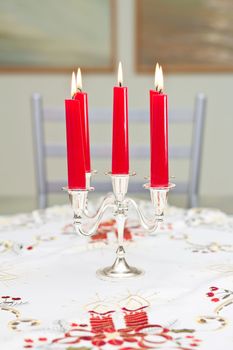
[(191, 152)]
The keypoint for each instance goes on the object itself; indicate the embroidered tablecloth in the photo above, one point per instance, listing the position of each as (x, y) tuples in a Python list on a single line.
[(50, 297)]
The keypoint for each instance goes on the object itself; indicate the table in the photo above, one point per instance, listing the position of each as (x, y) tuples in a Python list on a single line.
[(50, 297)]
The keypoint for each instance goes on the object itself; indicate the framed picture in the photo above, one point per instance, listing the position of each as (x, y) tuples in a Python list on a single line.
[(184, 35), (57, 35)]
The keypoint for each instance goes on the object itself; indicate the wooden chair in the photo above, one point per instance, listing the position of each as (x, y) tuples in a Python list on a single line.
[(41, 114)]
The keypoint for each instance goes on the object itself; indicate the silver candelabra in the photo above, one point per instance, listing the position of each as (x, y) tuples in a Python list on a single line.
[(87, 225)]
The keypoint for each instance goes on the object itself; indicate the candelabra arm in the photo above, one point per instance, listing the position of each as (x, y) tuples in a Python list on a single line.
[(150, 224), (84, 224), (87, 225), (108, 199)]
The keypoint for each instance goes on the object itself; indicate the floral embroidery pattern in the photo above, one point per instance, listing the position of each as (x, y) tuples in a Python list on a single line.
[(7, 300), (16, 247), (101, 332), (127, 324), (217, 294), (6, 275), (212, 217), (212, 247), (133, 229), (224, 298), (10, 304), (108, 228)]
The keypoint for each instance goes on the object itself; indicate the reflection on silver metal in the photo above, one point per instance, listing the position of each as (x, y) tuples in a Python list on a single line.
[(120, 186), (158, 197), (78, 199), (159, 201), (88, 180), (120, 268), (87, 225)]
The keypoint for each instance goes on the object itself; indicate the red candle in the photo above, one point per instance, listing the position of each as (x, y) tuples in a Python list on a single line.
[(82, 98), (75, 143), (120, 148), (158, 133)]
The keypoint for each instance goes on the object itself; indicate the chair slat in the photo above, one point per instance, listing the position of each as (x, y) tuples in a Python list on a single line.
[(103, 151), (101, 186), (54, 114), (103, 115), (55, 186), (175, 116), (181, 116), (137, 186), (182, 152), (55, 151)]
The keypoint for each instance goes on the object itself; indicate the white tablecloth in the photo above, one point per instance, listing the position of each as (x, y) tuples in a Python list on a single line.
[(50, 297)]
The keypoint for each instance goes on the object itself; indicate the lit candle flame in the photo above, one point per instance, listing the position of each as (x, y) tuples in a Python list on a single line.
[(120, 74), (159, 84), (79, 80), (73, 85), (156, 75)]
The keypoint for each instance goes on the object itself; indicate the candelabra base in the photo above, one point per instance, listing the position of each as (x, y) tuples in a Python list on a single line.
[(119, 270)]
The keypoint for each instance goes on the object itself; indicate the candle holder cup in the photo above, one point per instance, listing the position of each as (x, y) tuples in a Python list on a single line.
[(87, 225)]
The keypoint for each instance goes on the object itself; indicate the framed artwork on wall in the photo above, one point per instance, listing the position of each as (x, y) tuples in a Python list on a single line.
[(57, 35), (184, 35)]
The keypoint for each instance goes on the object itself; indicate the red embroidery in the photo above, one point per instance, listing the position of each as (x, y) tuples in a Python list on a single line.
[(101, 323), (98, 342), (101, 332), (219, 294), (215, 300), (107, 227), (213, 288), (74, 325), (100, 236), (28, 340), (135, 319), (42, 339)]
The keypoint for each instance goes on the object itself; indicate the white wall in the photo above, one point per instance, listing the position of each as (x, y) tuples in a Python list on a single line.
[(16, 150)]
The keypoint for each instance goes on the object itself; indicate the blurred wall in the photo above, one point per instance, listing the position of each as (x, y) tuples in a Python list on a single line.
[(16, 150)]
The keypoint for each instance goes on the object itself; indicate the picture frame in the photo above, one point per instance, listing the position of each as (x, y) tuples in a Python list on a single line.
[(38, 37), (184, 36)]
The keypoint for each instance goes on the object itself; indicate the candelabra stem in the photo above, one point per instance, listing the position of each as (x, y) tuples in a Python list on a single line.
[(149, 224), (120, 269), (120, 220)]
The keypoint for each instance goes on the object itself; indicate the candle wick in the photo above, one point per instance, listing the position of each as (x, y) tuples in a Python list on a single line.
[(120, 84), (80, 90)]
